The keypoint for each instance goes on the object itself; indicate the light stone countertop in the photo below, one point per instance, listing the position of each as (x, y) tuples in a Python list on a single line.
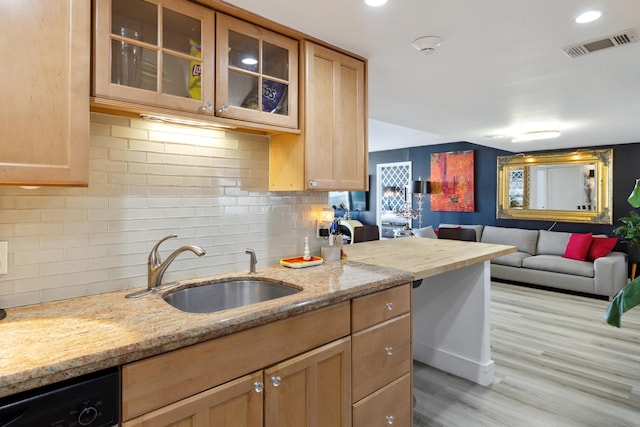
[(50, 342)]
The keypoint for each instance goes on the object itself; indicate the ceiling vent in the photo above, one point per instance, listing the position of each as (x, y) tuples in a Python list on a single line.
[(614, 40)]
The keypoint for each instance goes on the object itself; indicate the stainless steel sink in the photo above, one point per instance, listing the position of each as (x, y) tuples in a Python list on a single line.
[(225, 294)]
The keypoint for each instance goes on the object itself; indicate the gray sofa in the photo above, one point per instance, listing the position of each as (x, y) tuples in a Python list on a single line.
[(539, 261)]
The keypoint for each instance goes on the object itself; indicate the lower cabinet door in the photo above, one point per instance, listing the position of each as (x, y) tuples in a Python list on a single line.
[(238, 403), (311, 390), (391, 405)]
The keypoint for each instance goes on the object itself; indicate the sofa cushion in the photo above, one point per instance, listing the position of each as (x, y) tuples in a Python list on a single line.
[(512, 260), (558, 264), (425, 232), (578, 246), (478, 228), (601, 246), (524, 240), (552, 242)]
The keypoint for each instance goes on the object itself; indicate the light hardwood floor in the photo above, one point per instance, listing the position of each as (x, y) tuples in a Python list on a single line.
[(557, 364)]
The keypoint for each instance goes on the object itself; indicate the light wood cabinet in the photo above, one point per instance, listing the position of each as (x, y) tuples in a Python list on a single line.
[(234, 404), (331, 153), (184, 380), (257, 74), (44, 79), (308, 370), (311, 390), (155, 52), (382, 345)]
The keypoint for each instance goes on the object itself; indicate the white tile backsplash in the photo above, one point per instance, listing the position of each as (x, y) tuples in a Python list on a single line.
[(148, 180)]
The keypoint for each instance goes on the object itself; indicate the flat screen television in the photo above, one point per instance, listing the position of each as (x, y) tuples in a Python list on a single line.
[(349, 200)]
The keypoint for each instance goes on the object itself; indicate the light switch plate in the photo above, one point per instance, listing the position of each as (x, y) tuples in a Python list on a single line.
[(4, 257)]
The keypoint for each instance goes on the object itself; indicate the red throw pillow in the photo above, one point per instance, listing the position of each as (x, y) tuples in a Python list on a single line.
[(601, 246), (578, 246)]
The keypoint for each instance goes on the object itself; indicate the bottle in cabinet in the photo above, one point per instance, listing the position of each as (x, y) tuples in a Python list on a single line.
[(155, 52), (256, 74)]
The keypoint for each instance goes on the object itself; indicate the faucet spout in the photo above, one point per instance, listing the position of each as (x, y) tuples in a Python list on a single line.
[(156, 268), (252, 260)]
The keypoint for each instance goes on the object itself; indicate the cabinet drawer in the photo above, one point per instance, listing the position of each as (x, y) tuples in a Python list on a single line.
[(380, 355), (390, 405), (375, 308)]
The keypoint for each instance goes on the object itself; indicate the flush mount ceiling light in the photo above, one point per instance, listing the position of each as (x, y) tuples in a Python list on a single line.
[(427, 44), (536, 135), (375, 3), (588, 16)]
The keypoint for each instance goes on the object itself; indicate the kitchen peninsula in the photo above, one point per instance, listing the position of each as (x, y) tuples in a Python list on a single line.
[(451, 307)]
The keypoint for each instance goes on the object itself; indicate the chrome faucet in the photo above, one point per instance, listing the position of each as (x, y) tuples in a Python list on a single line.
[(155, 266), (252, 260)]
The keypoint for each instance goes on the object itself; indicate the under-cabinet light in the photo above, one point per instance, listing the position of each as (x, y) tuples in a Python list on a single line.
[(185, 122)]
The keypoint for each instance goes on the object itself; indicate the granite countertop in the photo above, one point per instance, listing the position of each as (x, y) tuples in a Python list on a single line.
[(50, 342)]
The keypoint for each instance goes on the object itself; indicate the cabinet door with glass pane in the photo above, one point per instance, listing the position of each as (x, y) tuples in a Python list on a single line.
[(257, 74), (155, 52)]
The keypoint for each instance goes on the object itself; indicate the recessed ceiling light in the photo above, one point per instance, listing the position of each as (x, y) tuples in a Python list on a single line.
[(249, 61), (536, 135), (588, 16), (375, 3)]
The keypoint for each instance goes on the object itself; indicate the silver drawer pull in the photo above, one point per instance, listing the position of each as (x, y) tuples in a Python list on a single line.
[(389, 351), (389, 419), (276, 381), (389, 306), (258, 386)]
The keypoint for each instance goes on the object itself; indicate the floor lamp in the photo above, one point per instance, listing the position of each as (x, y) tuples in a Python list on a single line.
[(419, 188)]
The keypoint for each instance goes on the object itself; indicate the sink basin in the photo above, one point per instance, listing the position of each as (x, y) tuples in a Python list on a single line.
[(222, 295)]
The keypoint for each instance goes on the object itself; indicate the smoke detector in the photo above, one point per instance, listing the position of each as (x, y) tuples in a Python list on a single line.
[(427, 44), (614, 40)]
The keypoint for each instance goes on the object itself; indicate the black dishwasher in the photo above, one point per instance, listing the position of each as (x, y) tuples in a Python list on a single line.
[(90, 400)]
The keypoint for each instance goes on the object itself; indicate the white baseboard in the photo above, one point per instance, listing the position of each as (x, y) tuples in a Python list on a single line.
[(479, 373)]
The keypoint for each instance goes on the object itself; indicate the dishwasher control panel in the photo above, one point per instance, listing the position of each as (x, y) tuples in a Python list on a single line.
[(91, 400)]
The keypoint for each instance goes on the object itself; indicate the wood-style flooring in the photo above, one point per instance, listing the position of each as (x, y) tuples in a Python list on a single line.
[(557, 364)]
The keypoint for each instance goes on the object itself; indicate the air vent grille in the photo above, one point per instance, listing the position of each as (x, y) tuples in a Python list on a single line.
[(614, 40)]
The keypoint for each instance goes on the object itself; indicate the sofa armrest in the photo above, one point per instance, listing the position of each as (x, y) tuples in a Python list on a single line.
[(610, 273)]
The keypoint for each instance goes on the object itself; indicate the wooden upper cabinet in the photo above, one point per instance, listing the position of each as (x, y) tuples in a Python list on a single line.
[(256, 74), (331, 153), (44, 80), (155, 52)]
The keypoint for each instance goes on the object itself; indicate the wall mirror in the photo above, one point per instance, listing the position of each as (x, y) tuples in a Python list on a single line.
[(572, 186)]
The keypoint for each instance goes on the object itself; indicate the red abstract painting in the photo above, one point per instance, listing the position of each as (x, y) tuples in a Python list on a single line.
[(452, 183)]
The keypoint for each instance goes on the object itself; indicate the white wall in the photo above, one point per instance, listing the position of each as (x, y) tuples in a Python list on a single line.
[(148, 180)]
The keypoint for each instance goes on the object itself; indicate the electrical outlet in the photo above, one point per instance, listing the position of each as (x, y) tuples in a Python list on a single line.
[(4, 257)]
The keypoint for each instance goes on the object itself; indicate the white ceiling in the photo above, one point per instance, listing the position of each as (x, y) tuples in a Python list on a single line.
[(500, 69)]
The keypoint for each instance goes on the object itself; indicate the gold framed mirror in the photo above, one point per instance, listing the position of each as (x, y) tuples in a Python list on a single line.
[(574, 186)]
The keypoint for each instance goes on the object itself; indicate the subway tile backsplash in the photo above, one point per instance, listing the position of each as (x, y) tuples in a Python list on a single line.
[(148, 180)]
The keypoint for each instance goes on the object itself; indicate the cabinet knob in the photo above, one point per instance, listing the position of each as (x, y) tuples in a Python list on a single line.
[(313, 183), (276, 381), (207, 108), (258, 386), (223, 108), (389, 306), (390, 419), (389, 351)]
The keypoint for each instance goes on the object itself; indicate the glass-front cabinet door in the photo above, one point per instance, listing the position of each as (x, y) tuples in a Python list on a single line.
[(257, 74), (155, 52)]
